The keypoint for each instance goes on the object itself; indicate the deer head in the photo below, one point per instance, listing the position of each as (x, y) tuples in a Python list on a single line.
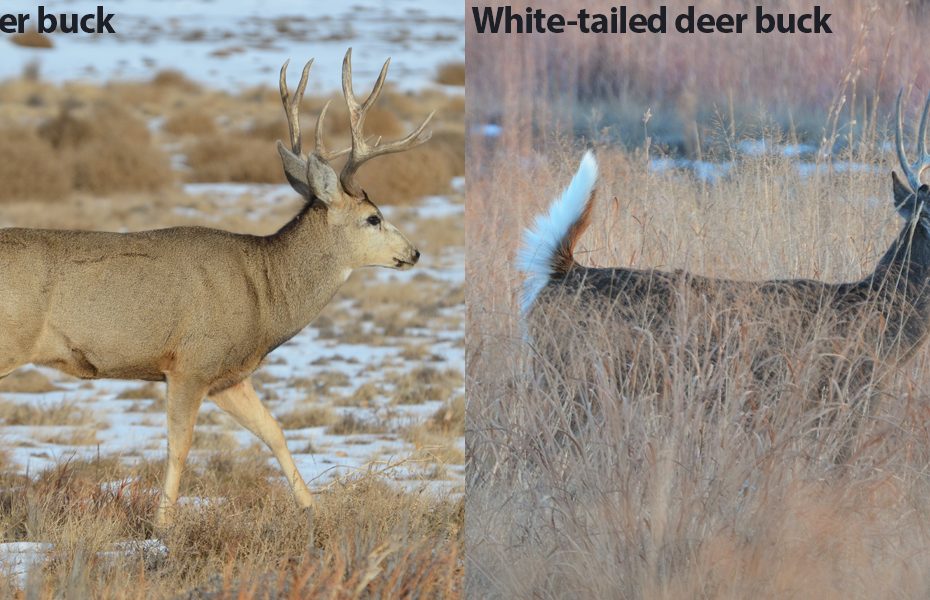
[(356, 223), (912, 200)]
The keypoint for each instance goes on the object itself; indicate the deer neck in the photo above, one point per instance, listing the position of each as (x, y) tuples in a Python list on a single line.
[(304, 270), (908, 258), (899, 289)]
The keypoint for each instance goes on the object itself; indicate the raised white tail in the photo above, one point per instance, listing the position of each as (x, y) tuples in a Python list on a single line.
[(547, 245)]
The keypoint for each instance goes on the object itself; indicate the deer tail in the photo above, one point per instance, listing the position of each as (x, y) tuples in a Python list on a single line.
[(549, 244)]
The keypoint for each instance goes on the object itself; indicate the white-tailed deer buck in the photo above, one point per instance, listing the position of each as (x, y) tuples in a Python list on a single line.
[(887, 313), (199, 308)]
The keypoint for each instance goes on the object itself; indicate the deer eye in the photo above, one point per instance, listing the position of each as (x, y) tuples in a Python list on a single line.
[(374, 220)]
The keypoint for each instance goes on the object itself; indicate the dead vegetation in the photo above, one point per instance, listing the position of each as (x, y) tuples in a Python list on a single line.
[(32, 39), (236, 158), (451, 74), (605, 464), (60, 413), (314, 416), (104, 150), (190, 121), (27, 381), (424, 384), (119, 138), (253, 543)]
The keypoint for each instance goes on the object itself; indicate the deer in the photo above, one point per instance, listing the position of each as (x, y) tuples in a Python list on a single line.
[(199, 308), (888, 310)]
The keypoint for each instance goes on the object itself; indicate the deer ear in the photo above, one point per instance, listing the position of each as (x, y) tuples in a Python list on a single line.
[(295, 169), (312, 178), (323, 182), (904, 199)]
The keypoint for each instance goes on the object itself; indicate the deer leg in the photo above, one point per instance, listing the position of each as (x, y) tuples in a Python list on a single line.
[(244, 405), (184, 400)]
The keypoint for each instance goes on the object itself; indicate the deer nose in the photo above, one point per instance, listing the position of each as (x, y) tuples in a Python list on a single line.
[(416, 255)]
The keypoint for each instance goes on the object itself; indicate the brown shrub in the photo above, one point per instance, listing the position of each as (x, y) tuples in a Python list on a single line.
[(452, 144), (451, 74), (119, 165), (102, 122), (450, 417), (314, 416), (222, 157), (407, 176), (190, 121), (62, 413), (66, 130), (425, 384), (104, 149), (170, 78), (147, 391), (30, 169), (27, 382), (269, 130), (349, 424), (379, 121), (32, 39)]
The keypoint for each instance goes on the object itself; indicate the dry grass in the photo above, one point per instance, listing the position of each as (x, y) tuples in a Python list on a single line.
[(27, 169), (103, 150), (146, 391), (116, 139), (314, 416), (236, 158), (27, 381), (190, 121), (71, 437), (601, 86), (671, 471), (450, 418), (120, 165), (407, 176), (424, 384), (451, 74), (364, 538), (175, 79), (32, 39), (351, 424), (62, 413)]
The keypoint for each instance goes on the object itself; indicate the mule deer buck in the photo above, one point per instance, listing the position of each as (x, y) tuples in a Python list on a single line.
[(887, 311), (200, 308)]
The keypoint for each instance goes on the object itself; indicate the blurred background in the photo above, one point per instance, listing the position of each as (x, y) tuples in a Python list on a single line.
[(173, 121), (699, 89)]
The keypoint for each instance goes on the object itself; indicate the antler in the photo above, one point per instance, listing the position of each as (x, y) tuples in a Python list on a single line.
[(913, 171), (292, 112), (362, 151)]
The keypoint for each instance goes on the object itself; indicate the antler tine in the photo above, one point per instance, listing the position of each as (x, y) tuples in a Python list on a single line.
[(321, 150), (899, 146), (923, 159), (292, 105), (362, 151)]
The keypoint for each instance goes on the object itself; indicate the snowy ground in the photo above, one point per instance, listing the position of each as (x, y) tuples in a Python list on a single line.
[(242, 43)]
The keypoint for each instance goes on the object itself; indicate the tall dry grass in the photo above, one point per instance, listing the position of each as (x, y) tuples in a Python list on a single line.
[(245, 538), (694, 84), (625, 466)]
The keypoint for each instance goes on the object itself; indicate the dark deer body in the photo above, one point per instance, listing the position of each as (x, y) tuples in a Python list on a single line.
[(881, 319)]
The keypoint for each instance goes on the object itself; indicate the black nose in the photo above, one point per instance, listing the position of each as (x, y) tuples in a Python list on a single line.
[(416, 255)]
